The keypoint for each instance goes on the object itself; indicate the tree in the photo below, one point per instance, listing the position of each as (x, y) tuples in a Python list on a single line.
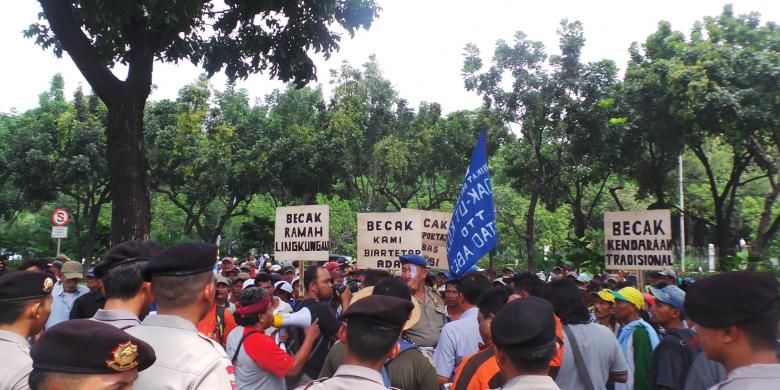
[(562, 112), (242, 37)]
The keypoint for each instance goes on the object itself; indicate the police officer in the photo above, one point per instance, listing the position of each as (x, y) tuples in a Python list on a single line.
[(183, 288), (86, 354), (434, 315), (25, 304), (128, 296), (523, 332), (373, 325), (736, 316)]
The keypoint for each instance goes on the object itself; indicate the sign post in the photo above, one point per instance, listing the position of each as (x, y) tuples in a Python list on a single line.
[(302, 233), (383, 237), (638, 240), (434, 229), (59, 230)]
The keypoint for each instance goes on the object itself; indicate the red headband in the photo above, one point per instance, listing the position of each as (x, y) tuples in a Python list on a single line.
[(254, 308)]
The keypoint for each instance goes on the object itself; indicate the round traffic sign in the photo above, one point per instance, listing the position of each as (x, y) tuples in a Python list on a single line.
[(60, 217)]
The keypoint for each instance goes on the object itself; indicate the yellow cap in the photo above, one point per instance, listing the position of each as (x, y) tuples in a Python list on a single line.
[(605, 295), (631, 295)]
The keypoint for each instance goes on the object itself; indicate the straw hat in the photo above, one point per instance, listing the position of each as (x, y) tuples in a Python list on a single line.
[(413, 318)]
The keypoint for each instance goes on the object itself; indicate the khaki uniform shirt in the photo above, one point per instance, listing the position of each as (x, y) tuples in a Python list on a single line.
[(121, 319), (349, 377), (754, 376), (433, 317), (15, 361), (186, 359), (531, 382)]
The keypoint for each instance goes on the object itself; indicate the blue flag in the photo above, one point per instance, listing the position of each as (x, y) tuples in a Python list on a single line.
[(472, 231)]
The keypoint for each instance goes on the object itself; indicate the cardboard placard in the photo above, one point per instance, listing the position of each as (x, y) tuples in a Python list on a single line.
[(383, 237), (434, 236), (638, 240), (302, 233)]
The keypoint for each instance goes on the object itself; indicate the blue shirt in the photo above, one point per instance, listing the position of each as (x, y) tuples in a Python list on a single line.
[(459, 338), (62, 303)]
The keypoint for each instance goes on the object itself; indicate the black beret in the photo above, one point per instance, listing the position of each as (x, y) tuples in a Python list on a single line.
[(22, 285), (731, 298), (380, 309), (527, 323), (102, 349), (128, 252), (189, 258)]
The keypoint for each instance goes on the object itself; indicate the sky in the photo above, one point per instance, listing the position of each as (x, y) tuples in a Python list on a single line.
[(418, 44)]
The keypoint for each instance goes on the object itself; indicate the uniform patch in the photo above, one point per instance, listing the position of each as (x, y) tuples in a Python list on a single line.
[(124, 357)]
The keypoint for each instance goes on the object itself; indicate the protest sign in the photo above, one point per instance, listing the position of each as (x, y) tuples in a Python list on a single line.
[(383, 237), (434, 236), (638, 240), (302, 233)]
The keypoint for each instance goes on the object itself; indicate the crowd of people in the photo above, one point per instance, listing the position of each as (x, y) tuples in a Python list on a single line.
[(150, 317)]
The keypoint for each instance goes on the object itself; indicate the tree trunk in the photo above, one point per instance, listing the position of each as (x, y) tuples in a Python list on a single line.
[(530, 240), (130, 208)]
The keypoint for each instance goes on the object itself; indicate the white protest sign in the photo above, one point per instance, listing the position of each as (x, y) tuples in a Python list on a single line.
[(638, 240), (383, 237), (434, 236), (302, 233), (59, 232)]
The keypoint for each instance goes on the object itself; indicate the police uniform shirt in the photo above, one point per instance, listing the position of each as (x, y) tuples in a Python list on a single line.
[(185, 358), (425, 333), (15, 364), (754, 376), (119, 318), (349, 377)]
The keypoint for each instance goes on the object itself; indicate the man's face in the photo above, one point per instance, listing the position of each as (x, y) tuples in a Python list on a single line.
[(507, 273), (236, 288), (93, 284), (710, 339), (324, 284), (268, 286), (118, 381), (226, 265), (288, 276), (451, 295), (335, 275), (70, 285), (283, 295), (484, 327), (624, 310), (441, 280), (222, 292), (663, 314), (414, 276), (602, 308)]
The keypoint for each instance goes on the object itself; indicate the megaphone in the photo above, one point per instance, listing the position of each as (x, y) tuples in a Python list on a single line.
[(301, 319)]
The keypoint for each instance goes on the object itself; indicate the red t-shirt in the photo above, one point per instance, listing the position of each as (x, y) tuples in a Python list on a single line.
[(266, 354)]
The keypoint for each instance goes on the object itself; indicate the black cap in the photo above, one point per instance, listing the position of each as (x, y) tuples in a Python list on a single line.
[(102, 349), (526, 323), (731, 298), (381, 309), (22, 285), (128, 252), (286, 269), (189, 258)]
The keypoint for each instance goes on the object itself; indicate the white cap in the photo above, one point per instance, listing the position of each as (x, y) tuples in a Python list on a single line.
[(276, 268), (284, 286), (500, 280), (248, 283), (541, 276)]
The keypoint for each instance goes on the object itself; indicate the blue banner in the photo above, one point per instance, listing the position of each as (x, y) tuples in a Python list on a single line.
[(472, 231)]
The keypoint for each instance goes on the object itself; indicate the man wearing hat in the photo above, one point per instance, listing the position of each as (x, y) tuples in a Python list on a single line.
[(128, 296), (673, 356), (461, 338), (66, 293), (662, 278), (85, 354), (370, 334), (219, 321), (637, 338), (25, 304), (736, 316), (184, 290), (523, 333), (88, 304), (414, 270), (410, 368)]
